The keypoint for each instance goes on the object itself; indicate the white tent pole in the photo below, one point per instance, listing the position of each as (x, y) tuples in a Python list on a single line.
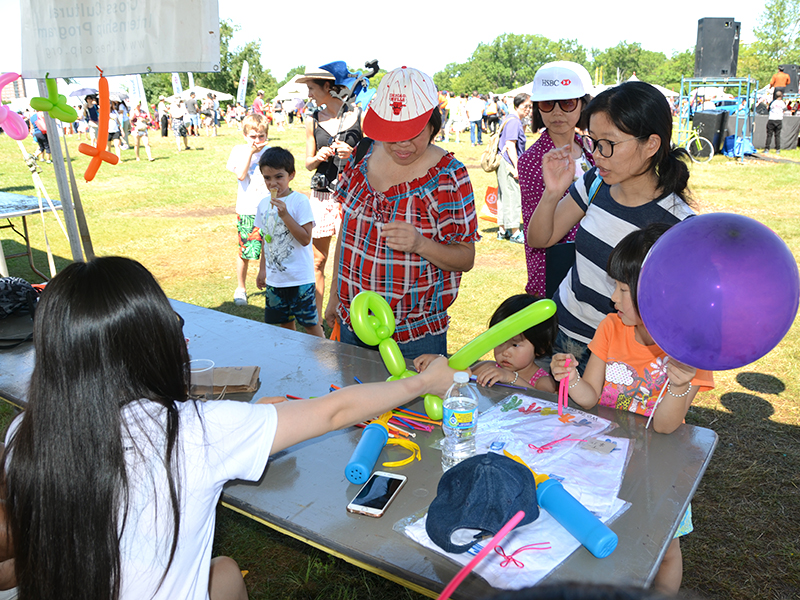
[(53, 135)]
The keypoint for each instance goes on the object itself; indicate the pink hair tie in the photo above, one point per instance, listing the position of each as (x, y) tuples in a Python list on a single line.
[(509, 558)]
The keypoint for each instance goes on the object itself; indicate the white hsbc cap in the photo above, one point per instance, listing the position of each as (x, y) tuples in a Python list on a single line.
[(560, 80), (402, 106)]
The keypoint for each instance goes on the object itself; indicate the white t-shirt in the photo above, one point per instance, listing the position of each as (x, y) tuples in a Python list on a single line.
[(252, 188), (113, 122), (288, 263), (475, 108), (776, 108), (218, 442)]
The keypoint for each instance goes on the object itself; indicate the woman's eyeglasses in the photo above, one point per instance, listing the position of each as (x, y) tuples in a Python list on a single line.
[(566, 105), (604, 147)]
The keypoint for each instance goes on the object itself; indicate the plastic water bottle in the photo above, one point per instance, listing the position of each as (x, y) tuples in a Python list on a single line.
[(459, 421)]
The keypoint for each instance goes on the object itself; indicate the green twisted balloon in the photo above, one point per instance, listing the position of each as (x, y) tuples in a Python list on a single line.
[(377, 329)]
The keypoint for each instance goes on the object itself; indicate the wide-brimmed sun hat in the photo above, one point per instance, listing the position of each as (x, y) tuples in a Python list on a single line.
[(312, 73), (402, 106)]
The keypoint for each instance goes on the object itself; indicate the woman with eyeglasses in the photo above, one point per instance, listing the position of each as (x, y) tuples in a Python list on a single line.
[(557, 111), (638, 179)]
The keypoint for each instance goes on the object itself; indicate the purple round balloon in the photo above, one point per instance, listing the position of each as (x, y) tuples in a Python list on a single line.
[(718, 291)]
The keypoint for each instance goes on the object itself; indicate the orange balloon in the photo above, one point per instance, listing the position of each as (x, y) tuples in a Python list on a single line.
[(99, 153)]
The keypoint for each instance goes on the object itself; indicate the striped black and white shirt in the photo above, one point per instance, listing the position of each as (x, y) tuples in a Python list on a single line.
[(584, 296)]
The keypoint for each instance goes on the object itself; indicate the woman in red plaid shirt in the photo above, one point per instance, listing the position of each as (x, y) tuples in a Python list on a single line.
[(409, 223)]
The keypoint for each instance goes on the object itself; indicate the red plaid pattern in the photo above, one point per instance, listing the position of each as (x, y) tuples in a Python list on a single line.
[(441, 206)]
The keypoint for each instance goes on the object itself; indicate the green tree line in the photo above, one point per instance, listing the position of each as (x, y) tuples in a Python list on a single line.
[(230, 67), (511, 60)]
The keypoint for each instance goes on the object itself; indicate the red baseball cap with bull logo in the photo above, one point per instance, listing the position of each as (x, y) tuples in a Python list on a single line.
[(402, 106), (560, 80)]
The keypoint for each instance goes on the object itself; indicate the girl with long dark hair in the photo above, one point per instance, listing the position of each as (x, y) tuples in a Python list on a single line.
[(112, 475)]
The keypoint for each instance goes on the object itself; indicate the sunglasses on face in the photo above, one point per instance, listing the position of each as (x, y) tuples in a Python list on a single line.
[(566, 105)]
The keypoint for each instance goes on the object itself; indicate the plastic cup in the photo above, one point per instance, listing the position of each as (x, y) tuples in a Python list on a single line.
[(202, 378)]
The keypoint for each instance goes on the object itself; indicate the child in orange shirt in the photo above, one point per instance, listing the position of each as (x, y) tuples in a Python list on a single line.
[(627, 370)]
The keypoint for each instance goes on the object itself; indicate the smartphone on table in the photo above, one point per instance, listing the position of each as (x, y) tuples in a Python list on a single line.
[(377, 494)]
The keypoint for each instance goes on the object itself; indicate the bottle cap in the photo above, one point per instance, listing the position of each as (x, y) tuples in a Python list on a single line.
[(461, 377)]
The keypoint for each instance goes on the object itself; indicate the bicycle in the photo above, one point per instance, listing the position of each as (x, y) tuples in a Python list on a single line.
[(700, 149)]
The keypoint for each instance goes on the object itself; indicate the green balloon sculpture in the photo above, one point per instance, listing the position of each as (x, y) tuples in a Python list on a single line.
[(55, 104), (376, 329)]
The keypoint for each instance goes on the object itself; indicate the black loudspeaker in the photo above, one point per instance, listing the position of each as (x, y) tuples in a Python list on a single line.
[(711, 125), (792, 71), (717, 49)]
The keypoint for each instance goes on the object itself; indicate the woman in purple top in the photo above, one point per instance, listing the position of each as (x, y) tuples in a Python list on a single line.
[(511, 145), (559, 110)]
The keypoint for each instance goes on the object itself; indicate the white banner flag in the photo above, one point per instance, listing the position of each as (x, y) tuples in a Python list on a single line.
[(138, 91), (177, 88), (70, 38), (241, 91), (191, 79)]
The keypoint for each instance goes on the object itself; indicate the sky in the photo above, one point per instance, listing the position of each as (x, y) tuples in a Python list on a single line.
[(427, 39), (428, 36)]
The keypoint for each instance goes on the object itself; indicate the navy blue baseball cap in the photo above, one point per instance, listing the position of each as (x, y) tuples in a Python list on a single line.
[(482, 493)]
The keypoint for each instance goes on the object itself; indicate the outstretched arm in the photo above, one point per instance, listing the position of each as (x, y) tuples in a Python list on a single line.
[(299, 420)]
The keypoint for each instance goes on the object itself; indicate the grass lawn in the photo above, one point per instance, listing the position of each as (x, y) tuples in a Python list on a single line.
[(176, 216)]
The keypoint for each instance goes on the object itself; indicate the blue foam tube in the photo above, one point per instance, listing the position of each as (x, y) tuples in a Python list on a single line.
[(575, 518), (366, 454)]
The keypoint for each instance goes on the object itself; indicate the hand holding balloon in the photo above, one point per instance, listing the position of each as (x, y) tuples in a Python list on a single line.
[(377, 330), (12, 123), (562, 365), (679, 374)]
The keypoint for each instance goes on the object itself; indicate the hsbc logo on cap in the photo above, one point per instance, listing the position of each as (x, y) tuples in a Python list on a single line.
[(397, 102), (555, 82)]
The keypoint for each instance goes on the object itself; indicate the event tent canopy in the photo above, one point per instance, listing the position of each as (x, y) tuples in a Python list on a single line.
[(200, 93), (291, 90)]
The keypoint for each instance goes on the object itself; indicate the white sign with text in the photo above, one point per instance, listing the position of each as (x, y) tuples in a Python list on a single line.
[(71, 38)]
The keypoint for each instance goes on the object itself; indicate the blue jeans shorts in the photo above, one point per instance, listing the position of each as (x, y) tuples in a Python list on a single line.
[(285, 304), (429, 344)]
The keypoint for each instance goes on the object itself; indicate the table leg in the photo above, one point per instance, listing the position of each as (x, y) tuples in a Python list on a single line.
[(30, 251), (3, 265)]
